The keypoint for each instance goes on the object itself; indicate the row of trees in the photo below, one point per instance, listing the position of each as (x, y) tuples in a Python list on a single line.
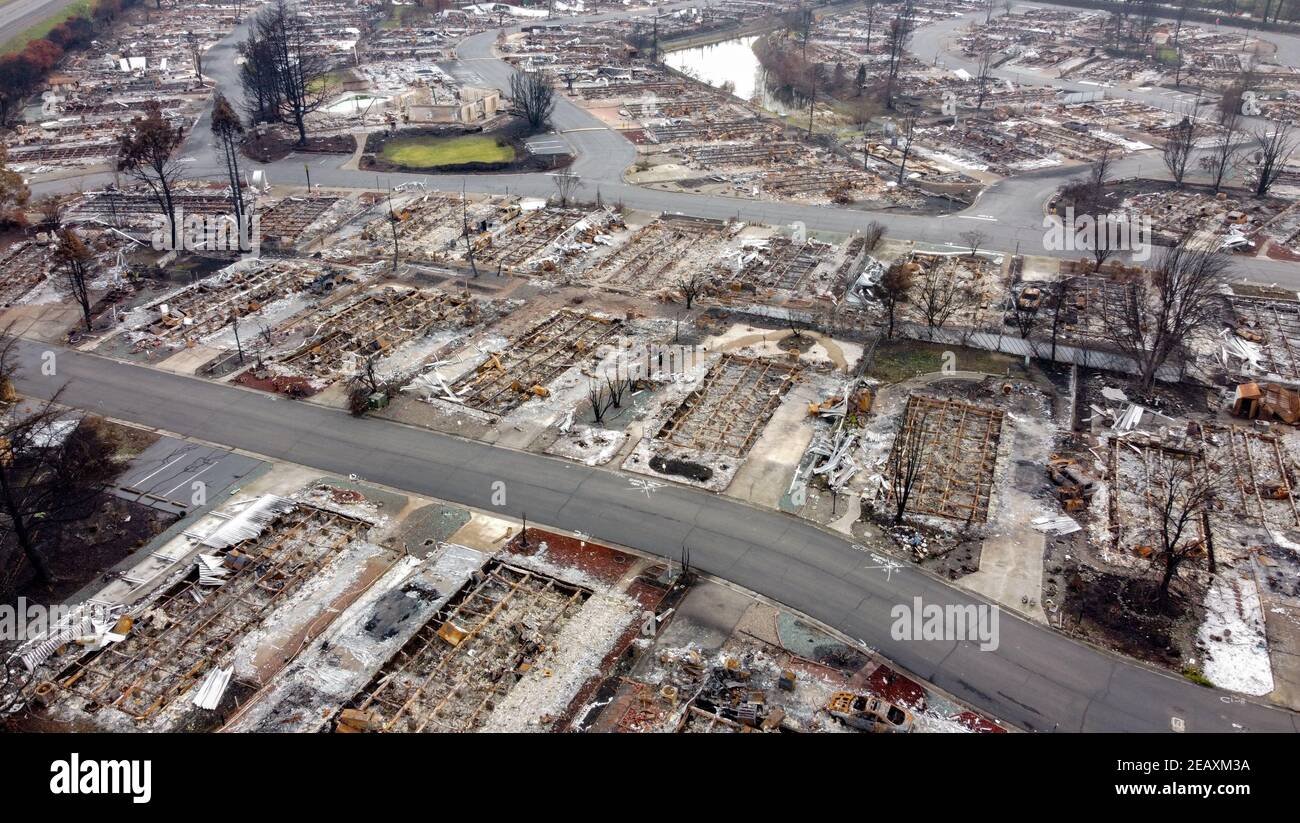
[(1271, 146), (1159, 313), (797, 76), (283, 77), (22, 72)]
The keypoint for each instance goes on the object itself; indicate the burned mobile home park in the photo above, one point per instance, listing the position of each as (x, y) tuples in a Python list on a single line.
[(745, 366)]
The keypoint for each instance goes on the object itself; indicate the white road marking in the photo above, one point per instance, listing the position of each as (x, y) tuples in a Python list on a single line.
[(978, 217), (887, 564), (647, 486), (182, 456), (187, 480)]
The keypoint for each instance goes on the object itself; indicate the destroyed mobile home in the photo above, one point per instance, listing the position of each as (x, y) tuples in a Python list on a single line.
[(811, 287), (303, 613)]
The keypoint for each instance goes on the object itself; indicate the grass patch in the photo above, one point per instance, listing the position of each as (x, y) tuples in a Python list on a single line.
[(328, 82), (81, 8), (899, 360), (1198, 677), (398, 16), (433, 152)]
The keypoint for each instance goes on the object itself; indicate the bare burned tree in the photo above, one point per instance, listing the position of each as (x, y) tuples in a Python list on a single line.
[(897, 38), (873, 234), (1183, 492), (617, 383), (394, 219), (229, 131), (49, 477), (50, 209), (299, 70), (1179, 145), (259, 79), (1274, 147), (1221, 160), (905, 460), (195, 45), (146, 157), (1164, 310), (1060, 300), (1024, 308), (74, 260), (365, 382), (982, 78), (907, 131), (566, 184), (532, 99), (940, 297), (973, 239), (598, 397), (691, 286), (1099, 173), (895, 283)]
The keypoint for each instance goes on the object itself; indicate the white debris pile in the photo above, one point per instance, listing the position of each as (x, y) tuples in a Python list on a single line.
[(591, 445), (249, 522), (834, 456), (570, 660), (1241, 354), (1236, 649)]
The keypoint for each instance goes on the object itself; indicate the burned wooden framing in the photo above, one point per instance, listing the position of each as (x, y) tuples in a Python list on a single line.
[(960, 449), (505, 380), (728, 411), (449, 676), (176, 641)]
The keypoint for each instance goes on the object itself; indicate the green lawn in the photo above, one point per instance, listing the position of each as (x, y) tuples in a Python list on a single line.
[(433, 152), (80, 7), (899, 360), (329, 82)]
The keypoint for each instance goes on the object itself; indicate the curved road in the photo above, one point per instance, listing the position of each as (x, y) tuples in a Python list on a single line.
[(1010, 212), (17, 16), (1036, 679)]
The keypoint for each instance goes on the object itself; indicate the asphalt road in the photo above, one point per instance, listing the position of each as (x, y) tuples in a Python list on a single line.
[(1009, 213), (19, 15), (1036, 679)]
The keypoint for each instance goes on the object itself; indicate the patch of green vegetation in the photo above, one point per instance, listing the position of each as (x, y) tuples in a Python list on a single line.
[(328, 82), (1167, 56), (434, 152), (899, 360), (398, 16), (1198, 677), (15, 44)]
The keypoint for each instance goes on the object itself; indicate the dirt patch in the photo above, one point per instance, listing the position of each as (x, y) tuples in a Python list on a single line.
[(277, 145), (1119, 611), (288, 385), (131, 441), (92, 539)]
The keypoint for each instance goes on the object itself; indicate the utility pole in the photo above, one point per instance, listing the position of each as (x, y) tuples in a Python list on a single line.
[(392, 221), (307, 169), (238, 346)]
